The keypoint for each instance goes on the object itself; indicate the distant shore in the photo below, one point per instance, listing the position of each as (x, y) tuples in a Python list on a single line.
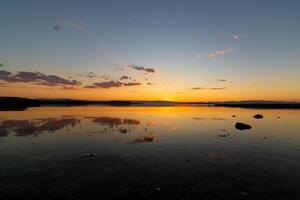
[(16, 103)]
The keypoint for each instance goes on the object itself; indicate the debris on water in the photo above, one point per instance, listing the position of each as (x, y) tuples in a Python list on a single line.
[(187, 160), (88, 155), (242, 126), (158, 189), (258, 116), (278, 117), (265, 137), (223, 129), (123, 130), (233, 116), (216, 155)]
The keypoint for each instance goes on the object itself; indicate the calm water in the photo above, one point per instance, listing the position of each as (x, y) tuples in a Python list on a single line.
[(148, 153)]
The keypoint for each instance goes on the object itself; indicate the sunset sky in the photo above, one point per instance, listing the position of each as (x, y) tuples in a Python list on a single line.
[(150, 50)]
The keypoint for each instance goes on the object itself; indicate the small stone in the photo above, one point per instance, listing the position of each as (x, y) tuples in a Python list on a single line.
[(258, 116)]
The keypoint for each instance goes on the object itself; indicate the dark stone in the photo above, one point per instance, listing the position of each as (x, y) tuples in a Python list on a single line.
[(258, 116), (242, 126)]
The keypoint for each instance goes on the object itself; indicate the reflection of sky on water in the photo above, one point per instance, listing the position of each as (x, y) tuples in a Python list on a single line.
[(167, 144)]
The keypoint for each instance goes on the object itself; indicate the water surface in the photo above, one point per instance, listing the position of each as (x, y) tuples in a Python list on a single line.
[(149, 152)]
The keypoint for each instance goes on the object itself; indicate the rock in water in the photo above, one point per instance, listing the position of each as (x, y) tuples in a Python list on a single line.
[(242, 126), (258, 116)]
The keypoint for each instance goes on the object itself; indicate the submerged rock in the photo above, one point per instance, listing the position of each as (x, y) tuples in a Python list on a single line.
[(242, 126), (258, 116)]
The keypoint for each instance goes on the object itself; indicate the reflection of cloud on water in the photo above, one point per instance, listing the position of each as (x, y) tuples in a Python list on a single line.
[(114, 121), (35, 126)]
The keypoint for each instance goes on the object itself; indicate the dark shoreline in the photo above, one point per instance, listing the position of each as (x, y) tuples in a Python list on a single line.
[(15, 103)]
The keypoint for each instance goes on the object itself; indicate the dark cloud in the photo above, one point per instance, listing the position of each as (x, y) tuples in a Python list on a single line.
[(4, 73), (37, 78), (124, 77), (218, 88), (70, 88), (132, 84), (109, 84), (141, 68), (57, 28), (198, 88)]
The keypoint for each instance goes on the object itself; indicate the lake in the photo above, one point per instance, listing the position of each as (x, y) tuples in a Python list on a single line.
[(183, 152)]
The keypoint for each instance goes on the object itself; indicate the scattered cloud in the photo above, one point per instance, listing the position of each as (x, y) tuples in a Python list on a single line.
[(220, 52), (37, 78), (139, 68)]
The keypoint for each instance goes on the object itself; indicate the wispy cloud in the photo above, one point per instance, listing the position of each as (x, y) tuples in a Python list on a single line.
[(220, 52), (218, 88), (198, 88)]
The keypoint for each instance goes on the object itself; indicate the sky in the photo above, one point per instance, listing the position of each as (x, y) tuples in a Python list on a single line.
[(215, 50)]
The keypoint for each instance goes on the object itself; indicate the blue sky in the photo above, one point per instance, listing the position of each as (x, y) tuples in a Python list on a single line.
[(256, 40)]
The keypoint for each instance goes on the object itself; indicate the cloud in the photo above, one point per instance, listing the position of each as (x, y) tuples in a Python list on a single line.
[(70, 88), (140, 68), (218, 88), (57, 28), (4, 73), (198, 88), (88, 75), (111, 84), (237, 36), (105, 84), (37, 78), (220, 52), (132, 84), (124, 77)]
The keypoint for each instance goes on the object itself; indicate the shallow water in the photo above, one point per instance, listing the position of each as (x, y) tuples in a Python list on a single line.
[(149, 152)]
